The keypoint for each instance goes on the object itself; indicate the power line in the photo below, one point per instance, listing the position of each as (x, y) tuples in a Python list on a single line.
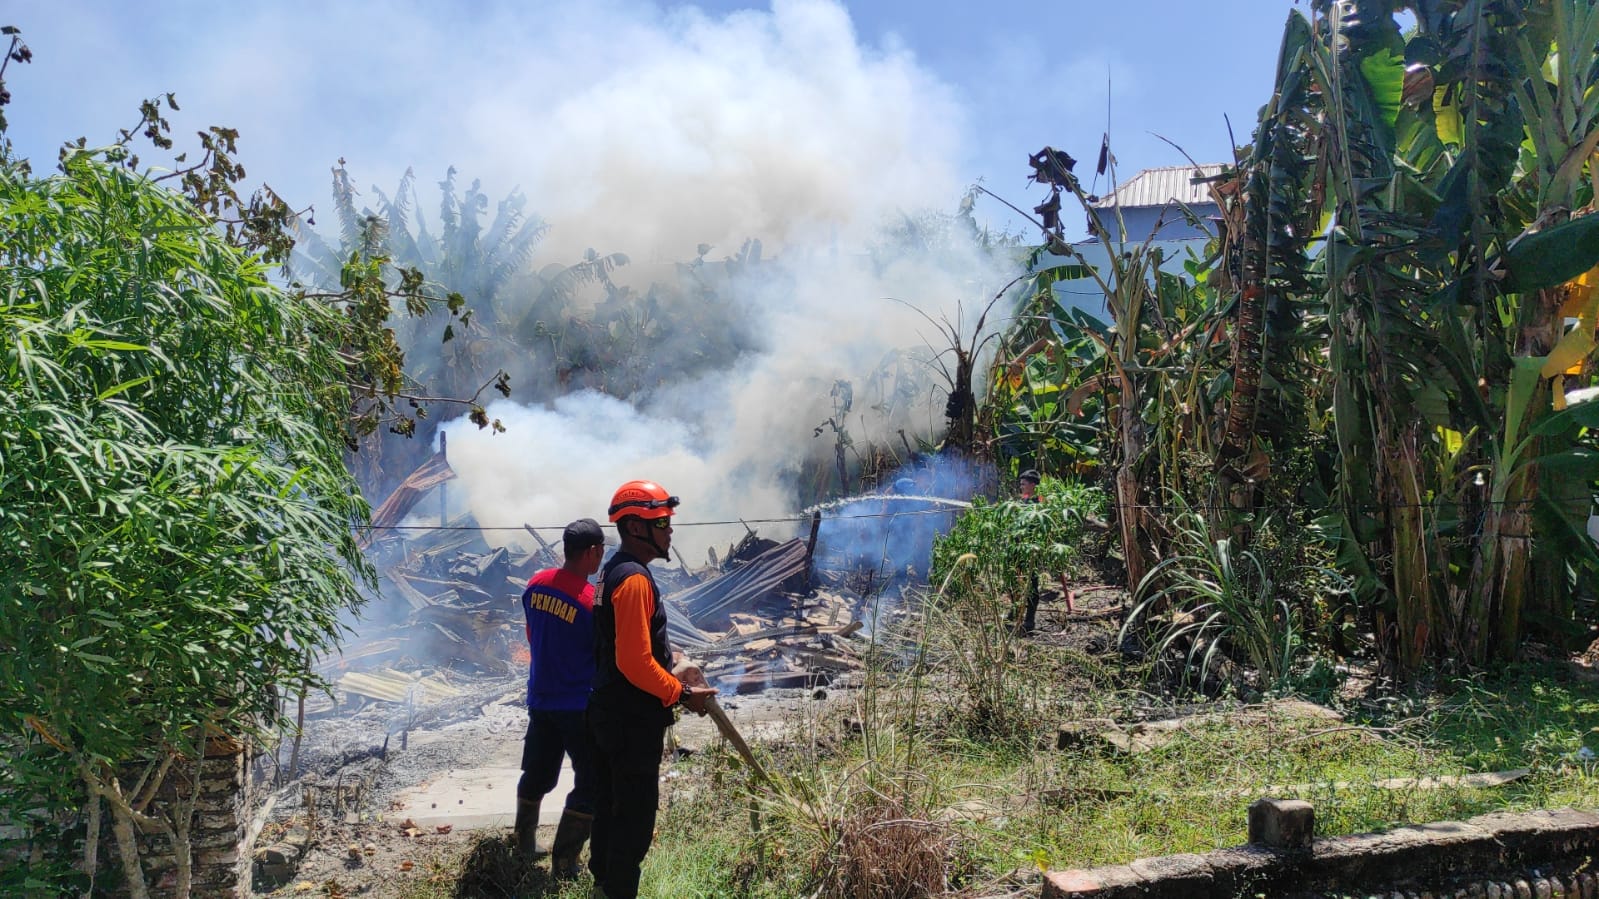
[(675, 525), (1482, 505)]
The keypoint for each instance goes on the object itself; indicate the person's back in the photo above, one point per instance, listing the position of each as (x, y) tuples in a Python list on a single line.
[(558, 606), (638, 680)]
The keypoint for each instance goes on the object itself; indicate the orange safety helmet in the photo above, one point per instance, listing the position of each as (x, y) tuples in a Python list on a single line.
[(644, 499)]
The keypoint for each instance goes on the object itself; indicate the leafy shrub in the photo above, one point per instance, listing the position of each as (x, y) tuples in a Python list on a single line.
[(1211, 599), (1012, 540), (988, 564), (175, 514)]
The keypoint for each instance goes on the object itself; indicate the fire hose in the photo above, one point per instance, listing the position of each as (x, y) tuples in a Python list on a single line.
[(725, 725)]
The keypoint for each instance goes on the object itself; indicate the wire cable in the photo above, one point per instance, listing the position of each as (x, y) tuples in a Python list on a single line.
[(1483, 505)]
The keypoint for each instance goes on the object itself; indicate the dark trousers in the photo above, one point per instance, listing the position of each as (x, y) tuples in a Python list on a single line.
[(627, 771), (1030, 620), (551, 735)]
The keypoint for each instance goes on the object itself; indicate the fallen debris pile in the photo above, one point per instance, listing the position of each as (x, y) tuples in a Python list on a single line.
[(450, 606), (712, 604)]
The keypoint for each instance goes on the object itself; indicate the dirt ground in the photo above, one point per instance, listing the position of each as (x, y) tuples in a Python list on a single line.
[(374, 852), (362, 847)]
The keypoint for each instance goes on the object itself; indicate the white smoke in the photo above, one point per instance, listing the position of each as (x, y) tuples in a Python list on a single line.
[(729, 442), (776, 124), (648, 135), (557, 464)]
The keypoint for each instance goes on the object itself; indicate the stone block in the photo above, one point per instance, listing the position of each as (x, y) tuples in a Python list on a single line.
[(1404, 854), (214, 839), (1089, 883), (271, 874), (1246, 870), (1282, 823), (218, 858), (1529, 838), (1084, 734), (1175, 876)]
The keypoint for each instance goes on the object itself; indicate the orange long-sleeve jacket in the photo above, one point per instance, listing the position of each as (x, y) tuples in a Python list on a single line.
[(633, 603)]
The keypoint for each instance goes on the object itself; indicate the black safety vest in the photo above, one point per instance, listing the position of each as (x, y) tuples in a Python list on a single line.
[(611, 688)]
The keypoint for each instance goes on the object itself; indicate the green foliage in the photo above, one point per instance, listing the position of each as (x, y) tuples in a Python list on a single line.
[(379, 270), (989, 564), (1404, 247), (1456, 216), (1011, 539), (1211, 598), (1002, 810), (1537, 714), (175, 515)]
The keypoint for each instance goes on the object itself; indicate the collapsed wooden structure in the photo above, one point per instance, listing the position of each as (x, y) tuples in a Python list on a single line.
[(450, 605)]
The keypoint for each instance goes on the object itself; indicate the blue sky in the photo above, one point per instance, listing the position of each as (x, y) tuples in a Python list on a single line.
[(710, 120)]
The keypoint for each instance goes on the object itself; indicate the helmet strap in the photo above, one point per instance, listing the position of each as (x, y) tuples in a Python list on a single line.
[(659, 552), (647, 537)]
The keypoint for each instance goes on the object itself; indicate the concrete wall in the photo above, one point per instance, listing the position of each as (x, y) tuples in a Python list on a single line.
[(1166, 223), (1536, 855), (1084, 293)]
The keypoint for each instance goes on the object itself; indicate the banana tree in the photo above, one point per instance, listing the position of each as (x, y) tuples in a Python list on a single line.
[(1128, 365), (1454, 159), (1271, 211)]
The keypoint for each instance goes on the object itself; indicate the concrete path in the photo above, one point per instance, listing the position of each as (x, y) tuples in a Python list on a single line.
[(482, 796)]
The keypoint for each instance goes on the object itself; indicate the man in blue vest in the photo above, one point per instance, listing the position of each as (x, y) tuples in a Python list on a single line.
[(559, 606), (638, 680)]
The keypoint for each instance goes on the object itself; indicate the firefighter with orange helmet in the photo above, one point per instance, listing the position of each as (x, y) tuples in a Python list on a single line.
[(638, 680)]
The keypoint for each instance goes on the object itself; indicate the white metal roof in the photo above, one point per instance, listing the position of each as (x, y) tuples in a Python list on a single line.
[(1157, 187)]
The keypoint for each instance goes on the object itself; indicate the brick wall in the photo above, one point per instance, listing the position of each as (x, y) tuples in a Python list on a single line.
[(221, 817)]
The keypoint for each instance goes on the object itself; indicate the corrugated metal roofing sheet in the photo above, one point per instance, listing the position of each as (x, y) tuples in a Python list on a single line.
[(1157, 187)]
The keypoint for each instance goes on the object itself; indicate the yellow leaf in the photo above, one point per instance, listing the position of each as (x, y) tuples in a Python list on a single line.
[(1447, 116), (1453, 440), (1582, 302), (1579, 292), (37, 723)]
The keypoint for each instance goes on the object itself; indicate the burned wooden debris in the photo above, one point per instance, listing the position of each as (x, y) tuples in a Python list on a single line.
[(711, 604), (759, 617)]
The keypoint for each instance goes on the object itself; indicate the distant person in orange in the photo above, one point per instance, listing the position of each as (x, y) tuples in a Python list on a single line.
[(559, 607), (638, 680)]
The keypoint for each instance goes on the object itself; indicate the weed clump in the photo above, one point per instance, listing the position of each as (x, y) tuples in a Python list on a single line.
[(884, 853)]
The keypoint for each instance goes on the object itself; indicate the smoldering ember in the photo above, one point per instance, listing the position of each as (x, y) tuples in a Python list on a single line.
[(799, 448)]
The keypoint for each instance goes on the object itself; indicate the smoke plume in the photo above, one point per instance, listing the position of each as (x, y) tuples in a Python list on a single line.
[(650, 135)]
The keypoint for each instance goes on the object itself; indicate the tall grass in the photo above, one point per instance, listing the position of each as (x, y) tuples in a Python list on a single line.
[(1211, 600)]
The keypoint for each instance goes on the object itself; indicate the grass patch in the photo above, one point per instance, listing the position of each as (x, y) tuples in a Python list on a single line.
[(997, 813), (1012, 812)]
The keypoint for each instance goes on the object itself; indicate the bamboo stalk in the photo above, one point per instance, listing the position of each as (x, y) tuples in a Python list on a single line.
[(299, 731)]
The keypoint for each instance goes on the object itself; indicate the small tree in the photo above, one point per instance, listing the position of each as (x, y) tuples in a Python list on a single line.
[(175, 515)]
